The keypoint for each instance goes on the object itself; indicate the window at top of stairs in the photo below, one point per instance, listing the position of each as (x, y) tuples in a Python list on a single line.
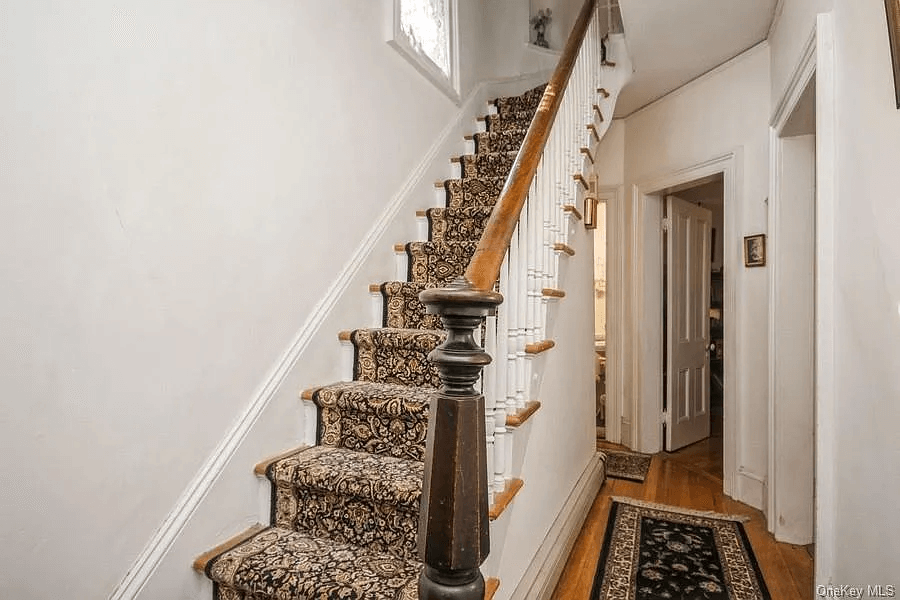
[(425, 34)]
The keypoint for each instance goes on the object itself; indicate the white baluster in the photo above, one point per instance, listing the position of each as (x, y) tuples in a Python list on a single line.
[(502, 380)]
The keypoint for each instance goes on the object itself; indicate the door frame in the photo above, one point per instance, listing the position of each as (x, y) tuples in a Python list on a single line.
[(647, 281), (817, 58), (615, 315)]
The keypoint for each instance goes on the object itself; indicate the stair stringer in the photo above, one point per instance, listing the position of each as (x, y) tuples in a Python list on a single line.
[(532, 538)]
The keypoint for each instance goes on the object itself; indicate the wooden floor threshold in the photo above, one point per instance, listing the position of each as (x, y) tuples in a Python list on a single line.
[(523, 414), (505, 498), (491, 585), (201, 561), (538, 347)]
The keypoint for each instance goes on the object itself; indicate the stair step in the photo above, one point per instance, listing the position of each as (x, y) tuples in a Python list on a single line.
[(499, 141), (525, 102), (400, 356), (515, 120), (482, 191), (402, 307), (438, 263), (487, 164), (457, 224), (280, 564), (350, 497), (378, 418)]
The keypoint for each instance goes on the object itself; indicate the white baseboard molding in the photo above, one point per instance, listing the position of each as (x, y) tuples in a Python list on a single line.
[(541, 576), (162, 541)]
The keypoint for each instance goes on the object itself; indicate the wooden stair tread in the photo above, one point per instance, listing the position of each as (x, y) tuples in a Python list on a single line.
[(572, 210), (538, 347), (505, 498), (201, 561), (553, 293), (560, 247), (523, 414), (491, 585), (262, 466), (580, 179)]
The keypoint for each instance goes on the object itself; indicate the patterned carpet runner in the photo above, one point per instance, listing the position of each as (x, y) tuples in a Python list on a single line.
[(652, 551), (632, 466), (345, 512)]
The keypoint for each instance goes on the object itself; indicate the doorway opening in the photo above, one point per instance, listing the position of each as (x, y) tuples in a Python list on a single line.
[(600, 316), (693, 322), (792, 323)]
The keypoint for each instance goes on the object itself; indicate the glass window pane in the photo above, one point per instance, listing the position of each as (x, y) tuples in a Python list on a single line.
[(426, 24)]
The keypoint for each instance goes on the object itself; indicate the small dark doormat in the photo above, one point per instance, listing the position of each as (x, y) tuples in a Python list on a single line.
[(654, 551), (632, 466)]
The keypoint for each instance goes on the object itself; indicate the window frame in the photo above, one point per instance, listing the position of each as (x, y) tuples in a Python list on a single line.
[(448, 84)]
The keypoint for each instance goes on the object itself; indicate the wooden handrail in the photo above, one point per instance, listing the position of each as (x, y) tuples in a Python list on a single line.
[(484, 268)]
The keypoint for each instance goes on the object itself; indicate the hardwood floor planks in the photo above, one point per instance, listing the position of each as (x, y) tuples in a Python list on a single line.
[(690, 478)]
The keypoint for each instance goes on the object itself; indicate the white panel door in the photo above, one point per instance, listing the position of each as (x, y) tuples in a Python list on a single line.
[(687, 322)]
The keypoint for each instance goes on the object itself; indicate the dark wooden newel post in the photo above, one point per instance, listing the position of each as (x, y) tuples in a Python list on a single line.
[(454, 536)]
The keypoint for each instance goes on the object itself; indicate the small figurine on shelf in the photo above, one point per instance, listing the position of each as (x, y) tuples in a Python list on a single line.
[(539, 23), (604, 61)]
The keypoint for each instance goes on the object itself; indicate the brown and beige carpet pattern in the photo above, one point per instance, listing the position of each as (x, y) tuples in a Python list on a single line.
[(632, 466), (345, 512)]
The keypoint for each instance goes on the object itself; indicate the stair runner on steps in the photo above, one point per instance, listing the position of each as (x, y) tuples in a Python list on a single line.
[(345, 512)]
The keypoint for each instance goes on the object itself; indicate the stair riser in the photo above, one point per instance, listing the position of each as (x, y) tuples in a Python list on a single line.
[(395, 360), (507, 141), (495, 164), (472, 192), (527, 102), (376, 526), (456, 229), (402, 309), (373, 433), (499, 123), (438, 265)]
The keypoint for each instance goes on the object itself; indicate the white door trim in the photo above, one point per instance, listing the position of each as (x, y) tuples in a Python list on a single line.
[(800, 78), (819, 58), (615, 312), (826, 199), (647, 341)]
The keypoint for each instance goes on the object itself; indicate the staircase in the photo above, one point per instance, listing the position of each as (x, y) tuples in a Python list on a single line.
[(345, 512)]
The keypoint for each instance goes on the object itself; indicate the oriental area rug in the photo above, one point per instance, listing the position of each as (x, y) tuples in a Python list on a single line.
[(632, 466), (653, 551)]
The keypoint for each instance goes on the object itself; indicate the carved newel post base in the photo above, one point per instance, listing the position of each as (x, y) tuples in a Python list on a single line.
[(454, 535)]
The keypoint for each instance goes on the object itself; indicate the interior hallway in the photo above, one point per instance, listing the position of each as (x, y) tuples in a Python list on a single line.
[(689, 478)]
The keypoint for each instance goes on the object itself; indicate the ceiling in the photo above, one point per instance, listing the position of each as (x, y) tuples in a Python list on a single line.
[(672, 42)]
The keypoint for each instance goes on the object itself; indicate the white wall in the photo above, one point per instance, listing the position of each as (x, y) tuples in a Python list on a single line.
[(506, 50), (792, 27), (722, 112), (181, 183), (867, 301)]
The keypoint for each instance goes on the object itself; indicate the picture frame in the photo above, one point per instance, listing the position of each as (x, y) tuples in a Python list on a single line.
[(755, 250), (892, 8)]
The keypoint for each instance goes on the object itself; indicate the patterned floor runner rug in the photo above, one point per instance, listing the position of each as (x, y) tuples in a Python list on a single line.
[(652, 551), (632, 466)]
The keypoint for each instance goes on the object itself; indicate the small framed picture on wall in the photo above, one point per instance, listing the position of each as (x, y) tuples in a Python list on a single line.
[(755, 250)]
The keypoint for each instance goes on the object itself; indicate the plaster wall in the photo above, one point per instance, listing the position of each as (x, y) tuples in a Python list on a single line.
[(722, 112), (866, 301), (792, 28), (566, 391), (181, 183)]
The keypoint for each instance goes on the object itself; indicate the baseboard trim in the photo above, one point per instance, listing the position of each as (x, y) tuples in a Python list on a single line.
[(541, 576), (159, 545)]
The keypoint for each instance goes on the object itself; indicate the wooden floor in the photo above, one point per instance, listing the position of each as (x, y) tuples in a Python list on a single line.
[(689, 478)]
